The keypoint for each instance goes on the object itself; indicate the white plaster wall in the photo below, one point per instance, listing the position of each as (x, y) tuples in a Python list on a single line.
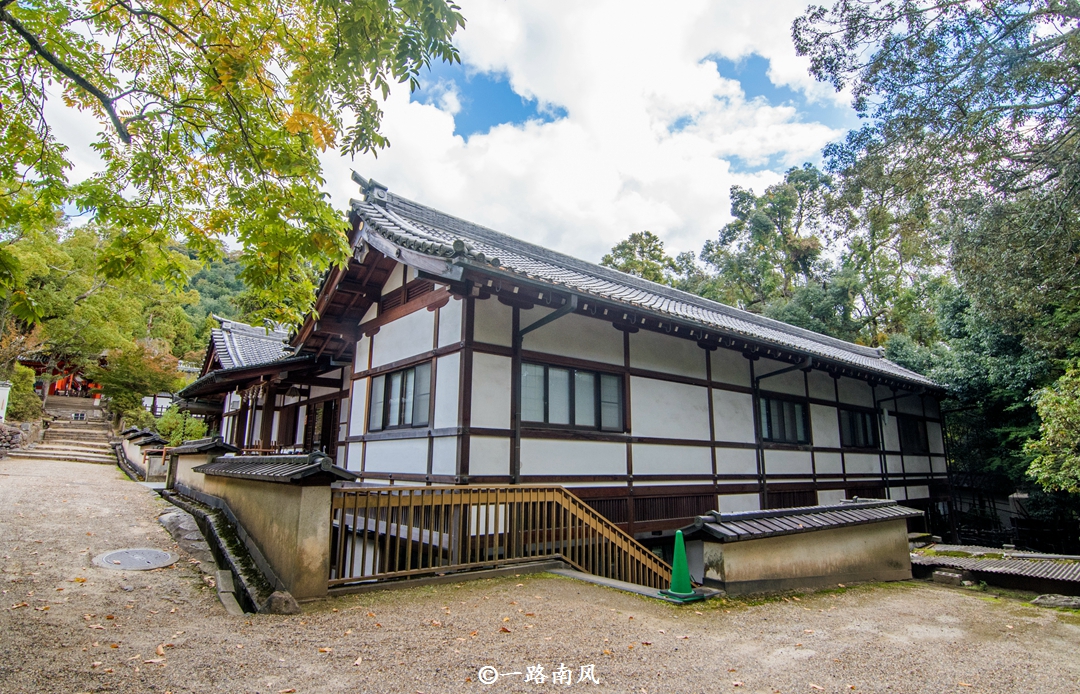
[(491, 392), (829, 463), (821, 385), (394, 280), (894, 464), (828, 497), (254, 427), (354, 456), (371, 314), (444, 455), (823, 424), (735, 503), (890, 432), (933, 433), (319, 391), (447, 381), (856, 392), (734, 416), (790, 382), (898, 493), (301, 422), (917, 463), (937, 464), (489, 455), (572, 335), (788, 462), (666, 354), (652, 459), (918, 492), (552, 457), (730, 366), (736, 461), (909, 405), (407, 336), (862, 463), (358, 407), (450, 322), (668, 410), (494, 322), (397, 456)]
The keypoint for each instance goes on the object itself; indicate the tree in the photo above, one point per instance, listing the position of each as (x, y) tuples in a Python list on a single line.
[(641, 254), (23, 403), (213, 115), (177, 426), (980, 102), (134, 372)]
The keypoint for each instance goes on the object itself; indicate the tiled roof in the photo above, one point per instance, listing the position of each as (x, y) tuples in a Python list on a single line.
[(753, 525), (276, 468), (238, 344), (412, 226)]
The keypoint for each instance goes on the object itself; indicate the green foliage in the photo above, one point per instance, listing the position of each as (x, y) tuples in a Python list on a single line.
[(213, 118), (24, 405), (131, 373), (1056, 452), (642, 254), (178, 427), (140, 418)]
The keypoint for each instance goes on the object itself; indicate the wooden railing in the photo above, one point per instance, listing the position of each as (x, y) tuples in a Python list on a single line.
[(380, 533)]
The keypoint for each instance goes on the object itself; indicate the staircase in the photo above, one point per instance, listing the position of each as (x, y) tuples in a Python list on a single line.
[(79, 442)]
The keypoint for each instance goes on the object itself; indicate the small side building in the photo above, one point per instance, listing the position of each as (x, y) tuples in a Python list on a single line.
[(799, 548)]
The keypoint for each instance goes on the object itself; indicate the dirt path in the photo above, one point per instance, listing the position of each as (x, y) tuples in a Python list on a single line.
[(54, 517)]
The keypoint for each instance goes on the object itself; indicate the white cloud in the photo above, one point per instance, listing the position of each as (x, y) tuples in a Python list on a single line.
[(626, 72)]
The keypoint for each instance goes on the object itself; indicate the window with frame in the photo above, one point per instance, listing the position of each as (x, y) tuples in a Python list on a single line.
[(913, 439), (400, 399), (858, 429), (573, 398), (783, 421)]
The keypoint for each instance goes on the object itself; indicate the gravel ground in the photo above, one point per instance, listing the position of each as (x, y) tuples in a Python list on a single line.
[(103, 634)]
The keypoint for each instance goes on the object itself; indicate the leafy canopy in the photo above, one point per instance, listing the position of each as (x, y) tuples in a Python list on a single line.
[(213, 115), (641, 254)]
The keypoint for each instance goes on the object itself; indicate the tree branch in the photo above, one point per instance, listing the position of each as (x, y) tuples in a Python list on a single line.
[(49, 57)]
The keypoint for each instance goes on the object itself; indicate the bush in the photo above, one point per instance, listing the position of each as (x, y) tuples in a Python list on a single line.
[(139, 418), (24, 405), (178, 427)]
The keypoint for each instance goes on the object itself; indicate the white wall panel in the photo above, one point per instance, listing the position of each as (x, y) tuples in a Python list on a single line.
[(734, 416), (916, 464), (652, 459), (574, 336), (730, 366), (354, 456), (491, 391), (862, 463), (736, 461), (824, 426), (358, 409), (494, 322), (398, 456), (790, 382), (918, 492), (669, 410), (894, 464), (666, 354), (898, 493), (937, 464), (450, 322), (444, 455), (361, 362), (397, 276), (890, 432), (822, 386), (829, 463), (828, 497), (788, 462), (855, 392), (552, 457), (912, 404), (736, 503), (447, 382), (406, 337), (489, 455)]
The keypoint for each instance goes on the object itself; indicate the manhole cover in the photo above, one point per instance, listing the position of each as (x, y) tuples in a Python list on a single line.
[(135, 559)]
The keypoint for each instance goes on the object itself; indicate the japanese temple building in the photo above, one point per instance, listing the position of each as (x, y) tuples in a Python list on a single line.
[(448, 353)]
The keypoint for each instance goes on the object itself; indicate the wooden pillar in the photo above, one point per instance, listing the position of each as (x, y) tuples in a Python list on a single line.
[(266, 426)]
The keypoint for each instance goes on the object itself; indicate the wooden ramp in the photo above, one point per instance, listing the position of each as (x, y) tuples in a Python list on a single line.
[(389, 533)]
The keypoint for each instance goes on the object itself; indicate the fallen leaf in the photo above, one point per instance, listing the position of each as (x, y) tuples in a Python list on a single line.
[(607, 652), (506, 619), (18, 605), (286, 691), (808, 631), (736, 683), (646, 643), (436, 623), (530, 614), (630, 647), (109, 616), (795, 599), (504, 630), (359, 660), (696, 612), (94, 626), (114, 645), (78, 579), (841, 585), (474, 633), (160, 649), (964, 684), (42, 609), (662, 631), (816, 686), (96, 663), (370, 614), (172, 610), (152, 661), (377, 624), (326, 650), (239, 645)]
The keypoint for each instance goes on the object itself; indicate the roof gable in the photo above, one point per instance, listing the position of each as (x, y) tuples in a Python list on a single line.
[(237, 344)]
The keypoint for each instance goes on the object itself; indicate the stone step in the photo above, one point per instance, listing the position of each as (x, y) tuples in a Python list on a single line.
[(76, 440), (33, 454), (79, 448)]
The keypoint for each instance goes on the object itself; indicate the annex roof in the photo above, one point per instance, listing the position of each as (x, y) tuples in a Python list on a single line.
[(416, 229), (753, 525), (238, 344), (286, 469)]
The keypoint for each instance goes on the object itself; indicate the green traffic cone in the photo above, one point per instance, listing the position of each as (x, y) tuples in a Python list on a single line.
[(681, 589)]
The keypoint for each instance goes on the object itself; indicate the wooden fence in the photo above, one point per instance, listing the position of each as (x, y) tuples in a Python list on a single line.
[(380, 533)]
